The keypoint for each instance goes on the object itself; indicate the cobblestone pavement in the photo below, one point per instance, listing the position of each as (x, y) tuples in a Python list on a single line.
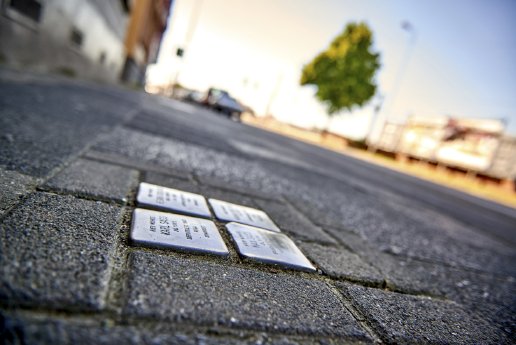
[(390, 269)]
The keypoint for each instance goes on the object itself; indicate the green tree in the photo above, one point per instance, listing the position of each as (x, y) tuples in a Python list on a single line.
[(344, 73)]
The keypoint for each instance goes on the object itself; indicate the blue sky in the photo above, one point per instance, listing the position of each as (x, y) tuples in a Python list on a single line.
[(462, 62)]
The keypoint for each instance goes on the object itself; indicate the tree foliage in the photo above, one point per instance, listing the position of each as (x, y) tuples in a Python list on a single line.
[(344, 74)]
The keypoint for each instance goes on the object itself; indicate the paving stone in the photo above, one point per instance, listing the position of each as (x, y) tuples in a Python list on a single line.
[(226, 195), (346, 206), (407, 319), (183, 127), (243, 187), (34, 331), (294, 223), (369, 253), (265, 246), (453, 232), (192, 187), (55, 252), (247, 141), (341, 263), (138, 146), (490, 296), (134, 163), (342, 208), (59, 121), (229, 212), (354, 175), (207, 293), (240, 175), (406, 274), (172, 200), (355, 242), (460, 256), (95, 180), (168, 230), (271, 153), (171, 181), (394, 232), (13, 186), (210, 166)]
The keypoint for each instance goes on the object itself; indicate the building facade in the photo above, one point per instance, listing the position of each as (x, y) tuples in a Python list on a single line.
[(105, 40), (147, 23)]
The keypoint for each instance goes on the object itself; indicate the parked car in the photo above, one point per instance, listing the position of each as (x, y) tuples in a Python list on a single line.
[(222, 102), (194, 97)]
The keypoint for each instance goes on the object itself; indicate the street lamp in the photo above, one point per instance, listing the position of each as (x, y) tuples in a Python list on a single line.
[(192, 26), (379, 121), (408, 27)]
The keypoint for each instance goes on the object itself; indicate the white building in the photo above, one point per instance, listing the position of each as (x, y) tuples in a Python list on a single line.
[(84, 38)]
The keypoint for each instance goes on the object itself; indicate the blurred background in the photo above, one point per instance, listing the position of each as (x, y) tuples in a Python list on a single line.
[(440, 103)]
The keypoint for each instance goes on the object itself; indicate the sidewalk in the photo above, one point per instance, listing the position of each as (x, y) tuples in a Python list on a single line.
[(71, 158)]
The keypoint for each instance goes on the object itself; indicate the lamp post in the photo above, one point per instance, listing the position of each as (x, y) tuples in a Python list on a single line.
[(381, 117), (406, 26), (192, 26)]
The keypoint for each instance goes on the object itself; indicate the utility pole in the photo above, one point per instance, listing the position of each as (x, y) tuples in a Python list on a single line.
[(274, 94), (382, 117), (404, 64), (192, 25)]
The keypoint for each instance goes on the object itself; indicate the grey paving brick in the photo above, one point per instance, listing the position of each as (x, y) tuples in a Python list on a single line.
[(261, 189), (96, 180), (341, 263), (55, 252), (407, 319), (134, 163), (392, 231), (210, 166), (190, 186), (58, 122), (244, 140), (406, 274), (454, 232), (352, 241), (208, 293), (33, 331), (137, 146), (226, 195), (36, 330), (159, 122), (13, 186), (313, 202), (292, 222), (343, 208), (241, 175), (270, 153), (170, 181), (490, 296)]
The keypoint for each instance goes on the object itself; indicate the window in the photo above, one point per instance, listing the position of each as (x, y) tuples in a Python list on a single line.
[(76, 37), (29, 8)]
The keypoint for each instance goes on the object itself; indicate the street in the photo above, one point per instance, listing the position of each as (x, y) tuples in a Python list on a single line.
[(388, 246), (495, 220)]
